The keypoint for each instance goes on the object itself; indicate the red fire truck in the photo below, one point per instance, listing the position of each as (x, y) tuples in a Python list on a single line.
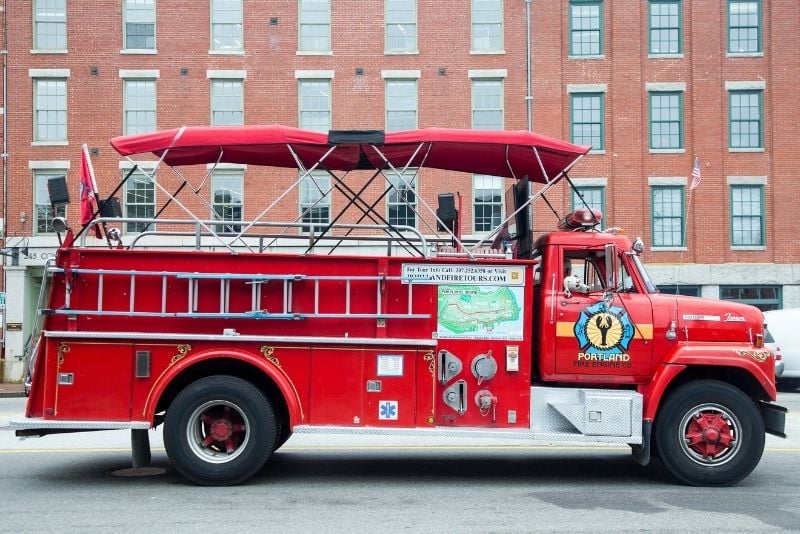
[(237, 343)]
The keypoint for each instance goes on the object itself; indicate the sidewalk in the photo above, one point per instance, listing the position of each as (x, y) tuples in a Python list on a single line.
[(11, 390)]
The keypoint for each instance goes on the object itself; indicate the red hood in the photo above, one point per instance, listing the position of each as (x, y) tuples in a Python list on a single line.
[(713, 320)]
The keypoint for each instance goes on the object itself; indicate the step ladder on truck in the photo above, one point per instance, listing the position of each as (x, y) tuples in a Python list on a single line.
[(252, 331)]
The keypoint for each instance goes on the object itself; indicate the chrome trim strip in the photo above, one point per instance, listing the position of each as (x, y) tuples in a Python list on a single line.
[(65, 334), (48, 424)]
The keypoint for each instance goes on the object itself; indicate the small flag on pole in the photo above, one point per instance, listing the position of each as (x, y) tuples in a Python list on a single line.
[(88, 190), (695, 174)]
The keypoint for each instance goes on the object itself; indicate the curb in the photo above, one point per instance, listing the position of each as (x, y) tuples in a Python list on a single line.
[(8, 391)]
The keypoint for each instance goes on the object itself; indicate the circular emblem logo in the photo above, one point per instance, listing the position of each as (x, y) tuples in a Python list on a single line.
[(605, 330)]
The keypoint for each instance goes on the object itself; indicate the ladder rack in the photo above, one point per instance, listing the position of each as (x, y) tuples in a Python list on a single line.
[(257, 282)]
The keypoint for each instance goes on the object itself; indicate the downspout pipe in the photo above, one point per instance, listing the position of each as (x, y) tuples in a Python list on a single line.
[(529, 65)]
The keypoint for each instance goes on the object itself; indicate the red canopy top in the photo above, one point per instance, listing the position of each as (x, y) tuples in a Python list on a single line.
[(496, 153)]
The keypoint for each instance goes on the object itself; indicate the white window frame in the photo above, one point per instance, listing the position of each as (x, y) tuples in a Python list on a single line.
[(39, 77), (390, 22), (127, 12), (499, 49), (227, 173), (226, 49), (304, 81), (217, 78), (60, 26), (303, 46), (47, 168), (319, 183), (496, 184), (133, 76), (392, 78), (411, 177), (480, 77)]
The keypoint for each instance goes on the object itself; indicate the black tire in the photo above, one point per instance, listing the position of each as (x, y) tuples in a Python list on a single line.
[(219, 431), (709, 433)]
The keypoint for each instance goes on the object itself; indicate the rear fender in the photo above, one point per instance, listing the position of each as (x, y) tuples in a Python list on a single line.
[(263, 362)]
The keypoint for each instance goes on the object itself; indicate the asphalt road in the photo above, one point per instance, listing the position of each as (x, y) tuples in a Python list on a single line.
[(78, 482)]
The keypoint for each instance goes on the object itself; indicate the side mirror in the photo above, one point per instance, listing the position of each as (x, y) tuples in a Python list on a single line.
[(611, 266)]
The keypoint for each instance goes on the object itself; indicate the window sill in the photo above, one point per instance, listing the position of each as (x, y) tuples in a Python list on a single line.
[(139, 51), (50, 143), (665, 56), (601, 56), (44, 51), (401, 52), (755, 149), (487, 52), (744, 54), (314, 52), (667, 150), (668, 249), (226, 52), (748, 247), (594, 152)]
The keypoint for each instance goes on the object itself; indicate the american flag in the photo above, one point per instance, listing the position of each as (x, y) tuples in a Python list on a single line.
[(695, 174)]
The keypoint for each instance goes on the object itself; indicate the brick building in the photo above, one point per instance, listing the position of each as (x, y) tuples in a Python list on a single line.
[(653, 86)]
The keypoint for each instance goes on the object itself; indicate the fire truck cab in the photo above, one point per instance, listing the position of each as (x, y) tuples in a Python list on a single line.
[(233, 350)]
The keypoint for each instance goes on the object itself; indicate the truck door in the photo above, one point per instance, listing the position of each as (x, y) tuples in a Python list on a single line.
[(601, 330)]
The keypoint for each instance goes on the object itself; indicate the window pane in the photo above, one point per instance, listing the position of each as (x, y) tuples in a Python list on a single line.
[(744, 29), (665, 27), (402, 197), (315, 22), (226, 25), (487, 104), (401, 105), (42, 207), (227, 102), (315, 200), (140, 106), (226, 200), (140, 19), (488, 206), (747, 216), (139, 202), (315, 105), (50, 25), (666, 120), (587, 119), (763, 297), (745, 119), (487, 25), (667, 216), (50, 110), (586, 28), (401, 25)]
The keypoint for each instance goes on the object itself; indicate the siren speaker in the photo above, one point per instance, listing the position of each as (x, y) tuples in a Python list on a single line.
[(110, 208), (446, 211), (57, 190)]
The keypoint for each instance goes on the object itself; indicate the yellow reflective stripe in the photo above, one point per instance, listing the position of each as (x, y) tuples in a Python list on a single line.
[(641, 331)]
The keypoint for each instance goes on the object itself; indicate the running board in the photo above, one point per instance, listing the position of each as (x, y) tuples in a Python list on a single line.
[(42, 427)]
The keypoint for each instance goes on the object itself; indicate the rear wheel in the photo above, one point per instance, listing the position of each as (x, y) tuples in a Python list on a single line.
[(709, 433), (220, 430)]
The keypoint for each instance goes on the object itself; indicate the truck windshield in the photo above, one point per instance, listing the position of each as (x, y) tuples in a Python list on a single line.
[(648, 282)]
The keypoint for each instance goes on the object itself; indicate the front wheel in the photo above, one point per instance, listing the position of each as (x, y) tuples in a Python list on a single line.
[(220, 430), (709, 433)]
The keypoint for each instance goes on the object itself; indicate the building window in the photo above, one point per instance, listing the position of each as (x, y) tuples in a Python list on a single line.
[(50, 109), (140, 25), (488, 208), (402, 203), (487, 25), (43, 209), (666, 120), (746, 129), (140, 106), (744, 26), (401, 25), (401, 105), (226, 199), (686, 290), (593, 196), (747, 215), (764, 298), (140, 201), (487, 104), (227, 102), (315, 201), (667, 216), (226, 25), (586, 27), (587, 117), (50, 25), (315, 26), (665, 27), (315, 105)]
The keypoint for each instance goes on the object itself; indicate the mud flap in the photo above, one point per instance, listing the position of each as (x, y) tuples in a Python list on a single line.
[(774, 418), (641, 453)]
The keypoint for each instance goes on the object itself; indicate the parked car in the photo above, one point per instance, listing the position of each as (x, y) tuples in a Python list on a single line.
[(769, 342), (784, 328)]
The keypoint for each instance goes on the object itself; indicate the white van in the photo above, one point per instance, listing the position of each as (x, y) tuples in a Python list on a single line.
[(784, 327)]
